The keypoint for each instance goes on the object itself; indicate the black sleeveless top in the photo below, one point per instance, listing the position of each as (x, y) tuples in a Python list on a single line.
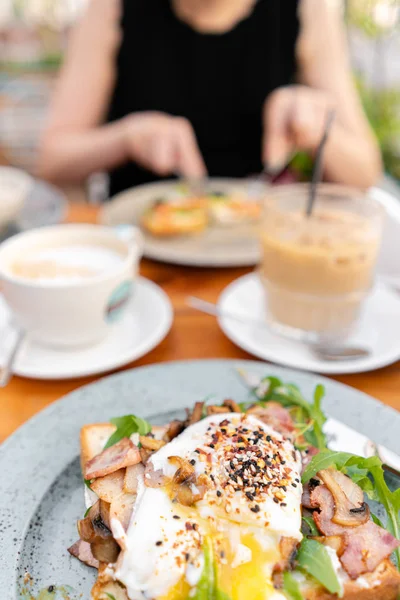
[(217, 81)]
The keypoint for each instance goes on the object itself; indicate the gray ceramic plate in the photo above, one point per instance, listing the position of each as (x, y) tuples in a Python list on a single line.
[(41, 485)]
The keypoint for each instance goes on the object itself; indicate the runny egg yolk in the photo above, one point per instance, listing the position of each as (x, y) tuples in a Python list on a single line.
[(249, 580)]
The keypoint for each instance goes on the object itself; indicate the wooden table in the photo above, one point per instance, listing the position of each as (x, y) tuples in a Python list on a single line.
[(193, 335)]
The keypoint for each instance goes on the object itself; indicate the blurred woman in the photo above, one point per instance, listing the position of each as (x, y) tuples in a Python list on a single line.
[(155, 88)]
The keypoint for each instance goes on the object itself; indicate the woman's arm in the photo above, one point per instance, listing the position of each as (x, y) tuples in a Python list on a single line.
[(76, 143), (352, 154)]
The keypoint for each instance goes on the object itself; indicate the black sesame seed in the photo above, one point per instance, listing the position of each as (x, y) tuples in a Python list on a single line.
[(193, 462), (255, 509), (187, 556), (250, 495), (176, 517), (294, 485), (276, 500), (269, 438), (211, 445), (283, 462), (219, 494), (283, 504), (51, 589), (159, 543)]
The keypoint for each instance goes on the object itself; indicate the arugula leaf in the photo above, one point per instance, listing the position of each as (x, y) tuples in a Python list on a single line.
[(87, 511), (309, 521), (206, 585), (291, 588), (110, 596), (368, 473), (314, 558), (88, 482), (126, 426)]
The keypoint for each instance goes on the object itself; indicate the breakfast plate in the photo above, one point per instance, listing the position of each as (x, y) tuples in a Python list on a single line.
[(144, 325), (231, 246), (42, 489), (378, 330), (45, 205), (217, 246)]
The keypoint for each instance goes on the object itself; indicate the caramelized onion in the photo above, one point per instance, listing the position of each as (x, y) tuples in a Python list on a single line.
[(350, 508), (197, 413), (175, 428), (232, 405), (149, 443)]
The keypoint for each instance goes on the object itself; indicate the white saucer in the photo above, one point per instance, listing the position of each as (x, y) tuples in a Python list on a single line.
[(144, 325), (378, 330)]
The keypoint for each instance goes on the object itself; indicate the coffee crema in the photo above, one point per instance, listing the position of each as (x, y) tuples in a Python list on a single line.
[(67, 263)]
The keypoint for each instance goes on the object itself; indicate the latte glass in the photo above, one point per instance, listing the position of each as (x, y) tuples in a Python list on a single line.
[(318, 270)]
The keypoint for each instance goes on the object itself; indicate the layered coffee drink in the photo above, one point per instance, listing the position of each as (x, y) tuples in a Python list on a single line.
[(317, 270)]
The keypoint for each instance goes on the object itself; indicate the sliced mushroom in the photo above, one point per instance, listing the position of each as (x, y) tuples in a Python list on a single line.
[(82, 551), (149, 443), (350, 508), (93, 526), (197, 413), (232, 405), (105, 513), (132, 476), (121, 455), (105, 550)]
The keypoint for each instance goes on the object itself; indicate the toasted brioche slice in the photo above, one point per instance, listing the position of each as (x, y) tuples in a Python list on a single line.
[(382, 584), (164, 220), (93, 439)]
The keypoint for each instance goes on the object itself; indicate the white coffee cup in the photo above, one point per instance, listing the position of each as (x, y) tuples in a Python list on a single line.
[(69, 311)]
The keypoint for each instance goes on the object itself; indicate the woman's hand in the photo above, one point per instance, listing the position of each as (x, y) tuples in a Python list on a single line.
[(294, 119), (163, 144)]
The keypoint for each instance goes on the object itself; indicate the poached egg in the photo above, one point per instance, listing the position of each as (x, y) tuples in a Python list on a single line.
[(247, 485)]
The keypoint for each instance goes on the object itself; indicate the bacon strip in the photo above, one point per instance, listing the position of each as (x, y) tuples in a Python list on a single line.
[(276, 416), (82, 551), (366, 547), (121, 455)]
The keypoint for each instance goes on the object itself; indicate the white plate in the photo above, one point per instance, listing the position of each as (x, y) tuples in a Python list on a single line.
[(216, 247), (144, 325), (378, 330)]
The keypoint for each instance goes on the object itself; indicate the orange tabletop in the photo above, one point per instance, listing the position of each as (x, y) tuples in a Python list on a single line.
[(193, 335)]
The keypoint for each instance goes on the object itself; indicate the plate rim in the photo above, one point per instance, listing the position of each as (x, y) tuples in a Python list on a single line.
[(336, 368), (12, 541), (145, 347)]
